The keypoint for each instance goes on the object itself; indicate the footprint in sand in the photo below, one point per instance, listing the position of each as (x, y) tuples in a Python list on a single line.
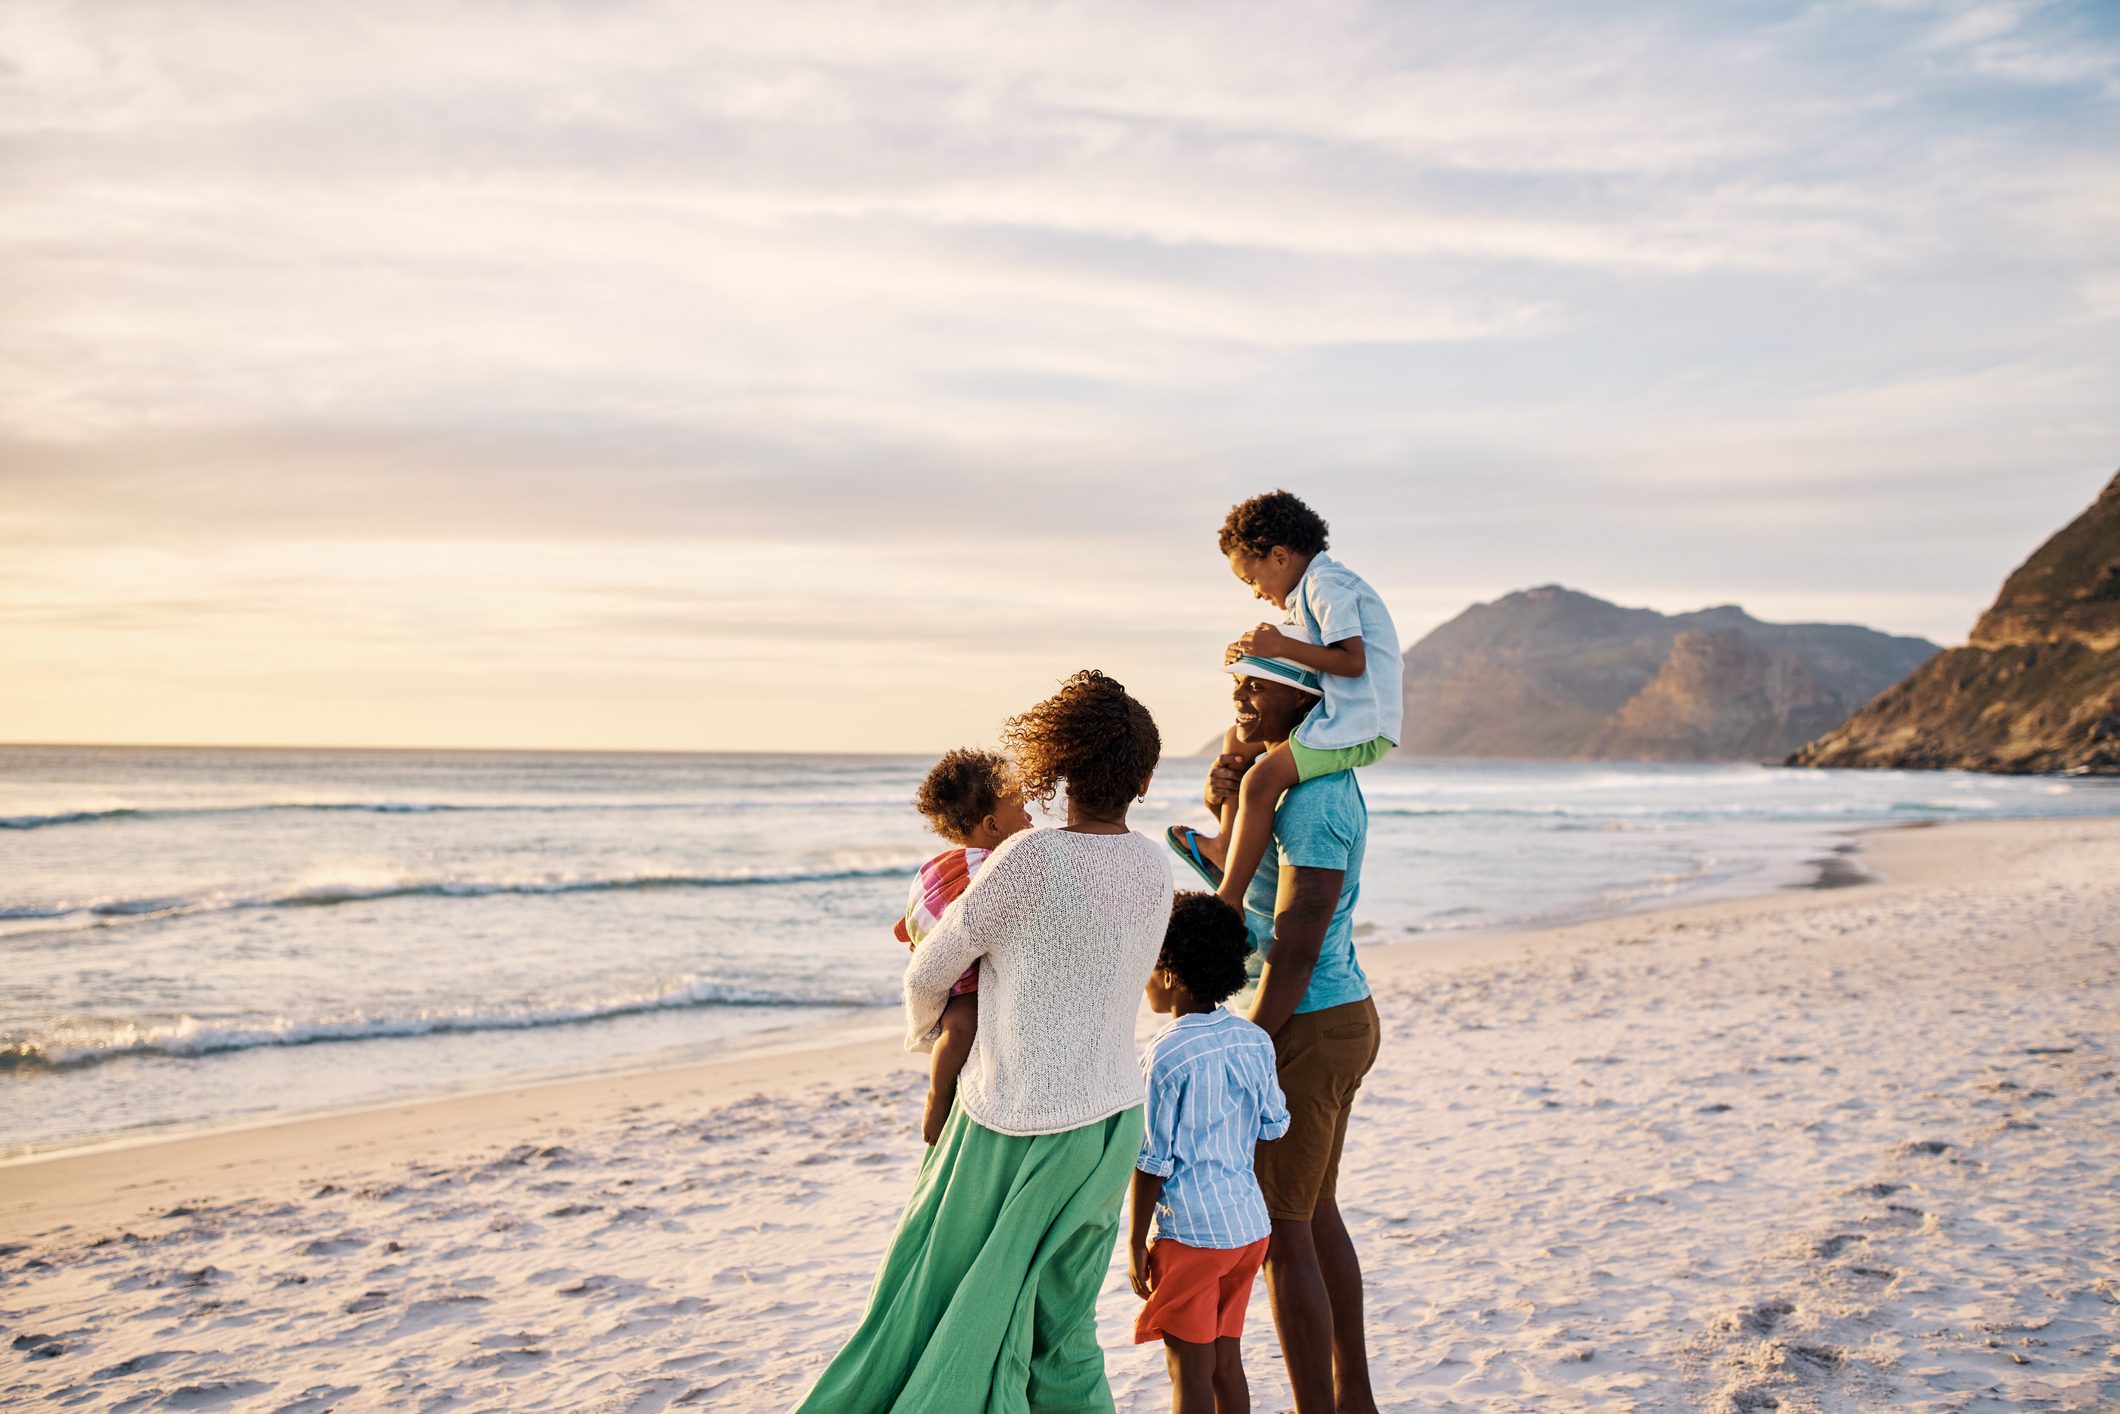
[(332, 1246), (1757, 1320), (139, 1364), (319, 1398), (214, 1394)]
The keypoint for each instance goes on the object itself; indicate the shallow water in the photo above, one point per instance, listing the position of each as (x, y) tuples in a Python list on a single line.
[(194, 937)]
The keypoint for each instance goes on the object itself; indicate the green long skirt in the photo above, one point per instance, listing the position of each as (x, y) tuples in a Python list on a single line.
[(987, 1299)]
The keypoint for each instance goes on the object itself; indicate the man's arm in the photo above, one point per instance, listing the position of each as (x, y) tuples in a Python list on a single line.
[(1302, 910), (1225, 777)]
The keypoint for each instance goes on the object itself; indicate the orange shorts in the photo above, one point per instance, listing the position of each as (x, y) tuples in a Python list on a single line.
[(1197, 1294)]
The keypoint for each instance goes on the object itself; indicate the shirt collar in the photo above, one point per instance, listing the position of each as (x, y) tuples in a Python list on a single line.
[(1321, 558)]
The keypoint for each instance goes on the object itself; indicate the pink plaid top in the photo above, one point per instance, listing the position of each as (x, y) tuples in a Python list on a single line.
[(936, 886)]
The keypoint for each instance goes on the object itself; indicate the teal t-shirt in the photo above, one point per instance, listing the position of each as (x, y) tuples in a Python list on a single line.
[(1322, 824)]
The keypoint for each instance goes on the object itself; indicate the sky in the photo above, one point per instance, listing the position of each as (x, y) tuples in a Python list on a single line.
[(832, 376)]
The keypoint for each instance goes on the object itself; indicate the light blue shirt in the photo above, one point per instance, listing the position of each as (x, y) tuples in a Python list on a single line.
[(1212, 1096), (1332, 603), (1321, 824)]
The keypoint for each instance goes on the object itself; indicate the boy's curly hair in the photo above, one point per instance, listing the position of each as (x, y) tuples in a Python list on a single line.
[(1276, 518), (1205, 946), (1090, 734), (965, 787)]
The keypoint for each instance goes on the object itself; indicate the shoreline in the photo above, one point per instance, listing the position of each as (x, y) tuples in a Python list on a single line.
[(1843, 1148), (279, 1147), (1829, 872)]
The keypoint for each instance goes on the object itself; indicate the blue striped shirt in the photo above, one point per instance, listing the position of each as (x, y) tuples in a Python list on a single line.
[(1212, 1095)]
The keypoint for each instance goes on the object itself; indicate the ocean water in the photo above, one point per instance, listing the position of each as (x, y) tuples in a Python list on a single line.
[(193, 937)]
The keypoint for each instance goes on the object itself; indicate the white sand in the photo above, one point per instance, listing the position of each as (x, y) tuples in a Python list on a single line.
[(1842, 1150)]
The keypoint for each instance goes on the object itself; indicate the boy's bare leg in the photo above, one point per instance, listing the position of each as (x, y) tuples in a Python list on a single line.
[(1342, 1271), (1192, 1375), (960, 1023), (1232, 1390), (1273, 774)]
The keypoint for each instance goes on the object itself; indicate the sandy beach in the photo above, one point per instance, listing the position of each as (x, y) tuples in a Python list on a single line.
[(1845, 1148)]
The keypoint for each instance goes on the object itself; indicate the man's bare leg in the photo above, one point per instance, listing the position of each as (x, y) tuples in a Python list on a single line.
[(1302, 1314), (1342, 1274)]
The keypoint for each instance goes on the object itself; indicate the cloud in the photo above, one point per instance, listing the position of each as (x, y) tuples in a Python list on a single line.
[(935, 340)]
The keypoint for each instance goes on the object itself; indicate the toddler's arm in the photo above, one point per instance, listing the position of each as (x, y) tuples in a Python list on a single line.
[(1344, 659)]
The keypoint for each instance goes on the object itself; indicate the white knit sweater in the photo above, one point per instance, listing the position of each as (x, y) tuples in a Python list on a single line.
[(1065, 928)]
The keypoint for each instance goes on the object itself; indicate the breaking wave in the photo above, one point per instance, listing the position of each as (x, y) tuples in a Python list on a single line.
[(189, 1037), (109, 911)]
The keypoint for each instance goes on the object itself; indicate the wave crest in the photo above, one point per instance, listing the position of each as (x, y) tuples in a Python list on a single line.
[(416, 807), (109, 911), (188, 1037)]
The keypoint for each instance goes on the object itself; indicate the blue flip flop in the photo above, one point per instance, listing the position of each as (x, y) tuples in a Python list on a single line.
[(1184, 842)]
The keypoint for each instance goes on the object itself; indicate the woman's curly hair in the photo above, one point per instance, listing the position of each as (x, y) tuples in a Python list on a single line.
[(965, 787), (1205, 946), (1276, 518), (1090, 734)]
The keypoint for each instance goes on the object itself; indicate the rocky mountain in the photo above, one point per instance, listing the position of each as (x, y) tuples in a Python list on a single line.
[(2036, 689), (1552, 673)]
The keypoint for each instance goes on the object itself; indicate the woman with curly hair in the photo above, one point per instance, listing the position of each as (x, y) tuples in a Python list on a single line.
[(987, 1295)]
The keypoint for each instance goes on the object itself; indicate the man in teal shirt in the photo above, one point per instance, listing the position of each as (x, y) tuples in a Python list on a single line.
[(1313, 999)]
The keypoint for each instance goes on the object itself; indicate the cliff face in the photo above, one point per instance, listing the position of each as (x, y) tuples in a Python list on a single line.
[(1551, 673), (2036, 689)]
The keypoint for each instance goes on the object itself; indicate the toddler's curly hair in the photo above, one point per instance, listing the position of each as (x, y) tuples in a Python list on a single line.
[(1276, 518), (1090, 734), (965, 787), (1205, 946)]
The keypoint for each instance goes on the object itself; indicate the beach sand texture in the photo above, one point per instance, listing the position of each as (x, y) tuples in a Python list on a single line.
[(1846, 1149)]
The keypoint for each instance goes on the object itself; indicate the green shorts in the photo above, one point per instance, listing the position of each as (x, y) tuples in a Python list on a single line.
[(1312, 763)]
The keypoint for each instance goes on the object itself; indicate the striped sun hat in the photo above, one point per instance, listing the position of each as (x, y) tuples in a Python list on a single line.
[(1250, 665)]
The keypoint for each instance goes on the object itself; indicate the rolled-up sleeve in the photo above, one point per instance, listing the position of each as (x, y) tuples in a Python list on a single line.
[(1159, 1139), (1273, 1111), (1337, 607)]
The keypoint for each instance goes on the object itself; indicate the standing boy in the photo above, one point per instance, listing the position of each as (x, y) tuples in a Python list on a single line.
[(1212, 1099)]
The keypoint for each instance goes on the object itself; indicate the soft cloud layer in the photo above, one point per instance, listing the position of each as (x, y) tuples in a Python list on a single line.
[(691, 375)]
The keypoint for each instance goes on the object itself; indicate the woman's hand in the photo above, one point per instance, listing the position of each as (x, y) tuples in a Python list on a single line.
[(933, 1116), (1137, 1270)]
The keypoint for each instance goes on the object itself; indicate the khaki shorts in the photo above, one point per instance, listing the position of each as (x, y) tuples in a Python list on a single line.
[(1322, 1057)]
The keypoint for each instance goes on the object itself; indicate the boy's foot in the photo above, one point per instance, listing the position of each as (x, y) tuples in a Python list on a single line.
[(1187, 843)]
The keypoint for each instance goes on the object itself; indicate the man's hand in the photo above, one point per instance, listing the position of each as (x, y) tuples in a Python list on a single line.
[(1137, 1270), (1265, 641), (933, 1116), (1224, 778)]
